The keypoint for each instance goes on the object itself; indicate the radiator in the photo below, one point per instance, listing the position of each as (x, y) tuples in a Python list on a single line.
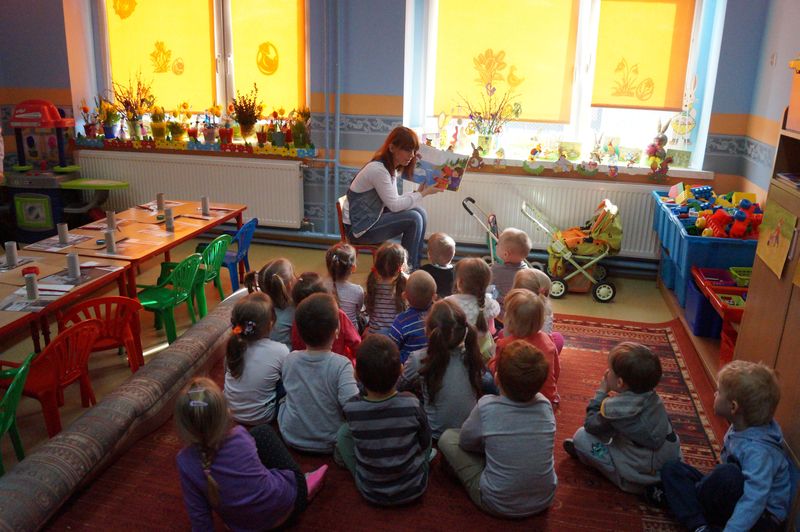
[(564, 202), (271, 189)]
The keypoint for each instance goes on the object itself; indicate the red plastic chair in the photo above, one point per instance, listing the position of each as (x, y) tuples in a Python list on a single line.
[(64, 361), (121, 327)]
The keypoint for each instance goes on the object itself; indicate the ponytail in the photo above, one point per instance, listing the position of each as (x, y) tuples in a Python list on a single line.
[(369, 297), (234, 355), (473, 277), (480, 321), (399, 287), (250, 282), (473, 360), (206, 458)]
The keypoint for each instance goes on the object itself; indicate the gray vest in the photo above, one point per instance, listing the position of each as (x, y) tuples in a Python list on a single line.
[(365, 210)]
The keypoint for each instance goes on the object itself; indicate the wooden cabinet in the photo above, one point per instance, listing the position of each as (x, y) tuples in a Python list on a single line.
[(770, 328)]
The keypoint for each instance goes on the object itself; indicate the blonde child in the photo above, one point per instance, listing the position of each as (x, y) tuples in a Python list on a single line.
[(503, 453), (523, 321), (627, 436), (408, 329), (538, 282), (449, 370), (441, 250), (347, 337), (276, 279), (249, 479), (385, 285), (340, 260), (513, 246), (318, 382), (751, 489), (472, 280), (253, 361)]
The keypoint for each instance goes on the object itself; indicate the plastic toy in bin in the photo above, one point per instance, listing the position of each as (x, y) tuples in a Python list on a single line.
[(741, 275)]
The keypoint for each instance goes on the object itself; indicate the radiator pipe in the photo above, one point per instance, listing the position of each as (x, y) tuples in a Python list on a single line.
[(337, 110)]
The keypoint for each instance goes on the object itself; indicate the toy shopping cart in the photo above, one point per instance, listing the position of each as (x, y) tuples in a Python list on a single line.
[(574, 253), (489, 224)]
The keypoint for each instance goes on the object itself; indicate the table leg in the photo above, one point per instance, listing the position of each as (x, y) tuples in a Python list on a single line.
[(45, 325), (37, 347), (121, 285), (241, 264), (132, 282), (166, 256)]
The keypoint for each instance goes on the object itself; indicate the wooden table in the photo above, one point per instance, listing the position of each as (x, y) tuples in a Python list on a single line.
[(48, 264), (141, 235)]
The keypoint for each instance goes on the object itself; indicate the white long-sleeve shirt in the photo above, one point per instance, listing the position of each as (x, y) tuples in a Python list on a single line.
[(375, 176)]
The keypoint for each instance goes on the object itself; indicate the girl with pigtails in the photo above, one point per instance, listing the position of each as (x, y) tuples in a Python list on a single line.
[(276, 279), (473, 277), (449, 371), (248, 478), (385, 285), (340, 260), (253, 361)]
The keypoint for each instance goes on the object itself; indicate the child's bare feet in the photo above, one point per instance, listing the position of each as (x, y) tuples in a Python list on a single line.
[(314, 480)]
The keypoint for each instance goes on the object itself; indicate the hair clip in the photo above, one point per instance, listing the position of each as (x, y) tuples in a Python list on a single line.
[(197, 403), (237, 329), (249, 327)]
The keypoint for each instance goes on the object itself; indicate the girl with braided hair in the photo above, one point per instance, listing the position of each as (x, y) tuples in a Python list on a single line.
[(248, 478), (340, 260), (473, 277), (385, 285), (276, 279), (253, 361)]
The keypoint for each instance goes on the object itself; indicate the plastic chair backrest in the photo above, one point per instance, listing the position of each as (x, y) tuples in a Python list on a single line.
[(339, 209), (214, 254), (10, 400), (115, 313), (243, 237), (70, 350), (182, 277)]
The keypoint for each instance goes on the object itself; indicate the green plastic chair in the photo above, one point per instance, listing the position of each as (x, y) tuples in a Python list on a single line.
[(162, 298), (8, 406), (212, 256)]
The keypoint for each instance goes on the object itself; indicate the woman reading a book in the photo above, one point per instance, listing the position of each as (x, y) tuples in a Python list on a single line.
[(374, 212)]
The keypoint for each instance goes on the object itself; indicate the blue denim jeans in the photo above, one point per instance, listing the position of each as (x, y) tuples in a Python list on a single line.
[(409, 225)]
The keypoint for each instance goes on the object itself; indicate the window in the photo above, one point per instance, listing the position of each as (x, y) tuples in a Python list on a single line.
[(204, 51), (577, 69)]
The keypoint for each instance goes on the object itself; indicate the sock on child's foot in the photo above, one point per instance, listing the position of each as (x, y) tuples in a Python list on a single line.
[(314, 480), (569, 446)]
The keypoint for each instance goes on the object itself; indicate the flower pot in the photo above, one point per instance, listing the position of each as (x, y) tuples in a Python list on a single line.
[(246, 130), (193, 133), (261, 136), (278, 138), (225, 135), (110, 131), (487, 145), (134, 133), (90, 130), (209, 135), (159, 130)]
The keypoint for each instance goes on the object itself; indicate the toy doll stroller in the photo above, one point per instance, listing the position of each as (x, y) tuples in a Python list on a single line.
[(492, 232), (575, 253)]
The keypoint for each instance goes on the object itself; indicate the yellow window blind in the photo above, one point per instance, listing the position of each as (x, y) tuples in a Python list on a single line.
[(269, 50), (526, 46), (642, 53), (170, 45)]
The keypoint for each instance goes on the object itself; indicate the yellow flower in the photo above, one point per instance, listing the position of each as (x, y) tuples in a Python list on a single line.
[(230, 108), (281, 111)]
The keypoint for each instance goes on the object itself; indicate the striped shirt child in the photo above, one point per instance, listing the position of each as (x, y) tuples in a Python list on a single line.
[(392, 441), (408, 331), (385, 311)]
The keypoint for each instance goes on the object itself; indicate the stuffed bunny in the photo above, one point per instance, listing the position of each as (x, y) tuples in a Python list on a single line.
[(656, 151), (596, 154)]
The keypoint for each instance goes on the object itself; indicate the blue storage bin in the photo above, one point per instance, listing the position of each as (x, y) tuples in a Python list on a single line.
[(687, 251), (666, 269), (703, 320)]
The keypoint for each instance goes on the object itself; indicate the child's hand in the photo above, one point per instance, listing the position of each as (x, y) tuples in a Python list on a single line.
[(604, 382)]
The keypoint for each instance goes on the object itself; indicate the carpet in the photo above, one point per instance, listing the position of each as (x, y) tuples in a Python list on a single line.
[(141, 490)]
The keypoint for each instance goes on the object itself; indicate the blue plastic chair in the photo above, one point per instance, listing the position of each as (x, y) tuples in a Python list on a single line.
[(242, 239)]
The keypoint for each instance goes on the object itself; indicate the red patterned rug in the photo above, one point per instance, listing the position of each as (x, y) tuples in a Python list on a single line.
[(141, 490)]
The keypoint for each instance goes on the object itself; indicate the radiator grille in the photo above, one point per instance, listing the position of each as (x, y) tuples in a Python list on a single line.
[(272, 190), (565, 203)]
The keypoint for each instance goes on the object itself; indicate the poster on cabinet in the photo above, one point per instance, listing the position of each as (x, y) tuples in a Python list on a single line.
[(775, 236)]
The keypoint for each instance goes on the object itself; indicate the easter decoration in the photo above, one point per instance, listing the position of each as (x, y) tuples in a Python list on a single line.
[(657, 158)]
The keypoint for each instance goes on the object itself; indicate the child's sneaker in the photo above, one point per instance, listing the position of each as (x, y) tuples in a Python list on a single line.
[(569, 446), (314, 480), (655, 496)]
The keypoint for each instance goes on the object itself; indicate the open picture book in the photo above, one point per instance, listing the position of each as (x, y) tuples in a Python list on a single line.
[(439, 168)]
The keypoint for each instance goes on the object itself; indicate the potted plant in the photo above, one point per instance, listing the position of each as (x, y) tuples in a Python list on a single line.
[(262, 134), (108, 115), (278, 123), (178, 124), (210, 127), (301, 136), (89, 119), (158, 122), (226, 127), (133, 100), (246, 110)]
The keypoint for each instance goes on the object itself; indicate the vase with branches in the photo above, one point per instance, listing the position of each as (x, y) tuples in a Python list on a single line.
[(246, 110), (133, 101)]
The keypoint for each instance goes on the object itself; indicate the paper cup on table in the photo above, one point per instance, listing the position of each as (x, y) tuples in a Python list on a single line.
[(205, 208), (63, 234), (11, 254), (73, 266), (111, 245), (160, 201), (111, 220), (31, 287), (169, 221)]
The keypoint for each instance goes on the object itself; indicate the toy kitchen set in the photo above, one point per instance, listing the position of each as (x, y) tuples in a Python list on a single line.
[(35, 183)]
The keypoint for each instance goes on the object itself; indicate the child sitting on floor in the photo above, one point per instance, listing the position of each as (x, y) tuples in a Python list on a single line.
[(341, 263), (503, 453), (386, 442), (318, 382), (628, 436), (276, 279), (253, 361), (385, 285), (523, 319), (449, 370), (441, 250), (472, 280), (249, 479), (347, 338), (513, 246), (538, 282), (751, 489), (408, 329)]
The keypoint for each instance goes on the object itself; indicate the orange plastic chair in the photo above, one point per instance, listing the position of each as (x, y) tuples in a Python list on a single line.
[(372, 248), (121, 327), (64, 361)]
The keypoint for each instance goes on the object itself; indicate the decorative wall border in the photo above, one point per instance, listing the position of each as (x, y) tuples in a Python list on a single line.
[(740, 146)]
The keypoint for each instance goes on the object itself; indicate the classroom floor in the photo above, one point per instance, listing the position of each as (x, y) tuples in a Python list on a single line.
[(637, 300)]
